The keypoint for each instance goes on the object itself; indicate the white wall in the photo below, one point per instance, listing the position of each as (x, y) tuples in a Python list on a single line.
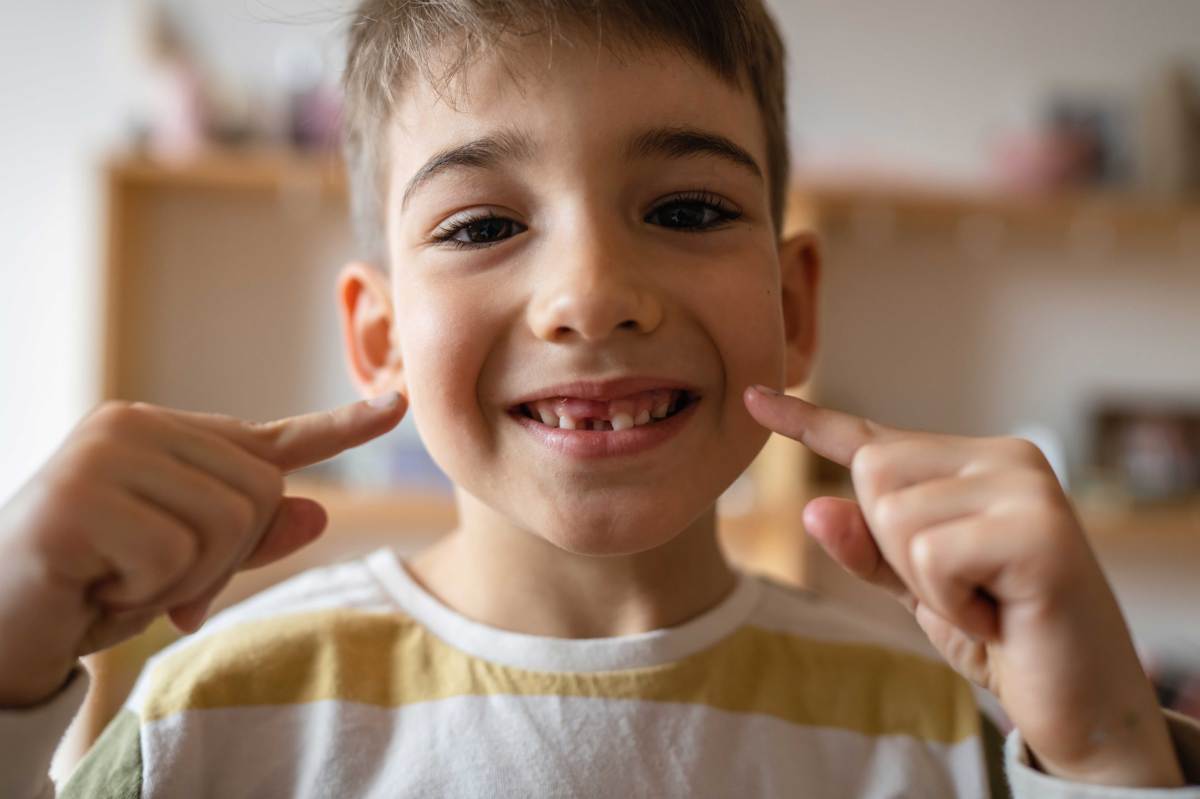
[(926, 84), (64, 76), (70, 83)]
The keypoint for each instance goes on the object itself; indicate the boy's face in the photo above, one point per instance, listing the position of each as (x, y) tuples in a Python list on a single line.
[(592, 240)]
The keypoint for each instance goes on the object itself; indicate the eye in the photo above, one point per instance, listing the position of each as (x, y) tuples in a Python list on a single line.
[(478, 230), (693, 212)]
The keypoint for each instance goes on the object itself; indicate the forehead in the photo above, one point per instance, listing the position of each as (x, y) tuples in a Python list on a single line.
[(579, 99)]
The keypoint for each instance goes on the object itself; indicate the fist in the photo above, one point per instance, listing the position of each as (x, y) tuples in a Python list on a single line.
[(977, 538), (146, 510)]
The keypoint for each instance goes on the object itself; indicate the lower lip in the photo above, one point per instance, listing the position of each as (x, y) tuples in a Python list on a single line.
[(588, 444)]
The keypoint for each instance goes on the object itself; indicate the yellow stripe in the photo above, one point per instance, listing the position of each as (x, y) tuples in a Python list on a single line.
[(390, 661)]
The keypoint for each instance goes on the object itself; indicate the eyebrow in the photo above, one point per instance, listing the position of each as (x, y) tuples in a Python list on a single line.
[(684, 142), (665, 142), (481, 153)]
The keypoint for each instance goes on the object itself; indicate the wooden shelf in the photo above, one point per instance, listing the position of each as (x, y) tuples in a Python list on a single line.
[(864, 209), (406, 512), (1069, 218), (1155, 523), (236, 170)]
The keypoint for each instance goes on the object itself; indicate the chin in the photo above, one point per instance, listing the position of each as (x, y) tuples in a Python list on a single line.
[(608, 527)]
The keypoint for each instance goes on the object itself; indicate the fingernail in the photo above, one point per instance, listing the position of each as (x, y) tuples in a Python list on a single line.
[(770, 392), (385, 402)]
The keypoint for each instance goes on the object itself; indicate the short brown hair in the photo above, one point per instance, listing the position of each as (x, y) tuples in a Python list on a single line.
[(392, 40)]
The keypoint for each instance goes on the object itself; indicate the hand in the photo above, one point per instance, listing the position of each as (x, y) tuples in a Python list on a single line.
[(976, 537), (145, 510)]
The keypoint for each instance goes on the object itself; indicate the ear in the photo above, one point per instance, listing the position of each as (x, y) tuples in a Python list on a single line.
[(800, 274), (365, 305)]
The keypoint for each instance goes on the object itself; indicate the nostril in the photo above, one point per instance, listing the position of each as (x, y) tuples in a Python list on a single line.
[(629, 324)]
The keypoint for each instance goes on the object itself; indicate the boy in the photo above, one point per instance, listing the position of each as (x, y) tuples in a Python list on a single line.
[(572, 212)]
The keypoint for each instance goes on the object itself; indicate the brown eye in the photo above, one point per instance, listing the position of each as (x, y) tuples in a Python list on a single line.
[(692, 213), (684, 215), (479, 231)]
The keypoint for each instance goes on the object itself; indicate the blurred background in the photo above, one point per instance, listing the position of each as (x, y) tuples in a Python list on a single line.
[(1008, 195)]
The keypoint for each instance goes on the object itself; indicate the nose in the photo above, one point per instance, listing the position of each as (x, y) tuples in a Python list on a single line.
[(591, 292)]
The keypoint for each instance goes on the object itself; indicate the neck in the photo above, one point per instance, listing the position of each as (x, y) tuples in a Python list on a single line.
[(506, 577)]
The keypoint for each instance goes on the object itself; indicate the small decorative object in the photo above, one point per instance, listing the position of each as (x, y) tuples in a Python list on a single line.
[(178, 122), (1168, 142), (1152, 450), (1077, 144), (313, 106)]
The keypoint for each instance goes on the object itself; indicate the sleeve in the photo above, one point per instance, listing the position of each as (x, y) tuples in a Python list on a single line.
[(29, 736), (1027, 781)]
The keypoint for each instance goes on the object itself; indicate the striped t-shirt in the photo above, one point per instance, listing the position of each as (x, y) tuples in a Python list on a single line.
[(352, 681)]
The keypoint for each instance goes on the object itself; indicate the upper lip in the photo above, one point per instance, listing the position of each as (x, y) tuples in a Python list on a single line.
[(603, 390)]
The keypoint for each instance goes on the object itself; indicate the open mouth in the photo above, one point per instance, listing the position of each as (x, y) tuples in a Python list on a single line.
[(636, 410)]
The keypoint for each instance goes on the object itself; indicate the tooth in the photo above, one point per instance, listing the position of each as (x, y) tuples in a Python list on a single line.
[(548, 418), (597, 424), (660, 410), (622, 421), (642, 418), (566, 422)]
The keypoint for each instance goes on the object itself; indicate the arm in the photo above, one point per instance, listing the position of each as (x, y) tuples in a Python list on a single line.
[(1028, 781), (977, 539), (29, 736), (143, 511)]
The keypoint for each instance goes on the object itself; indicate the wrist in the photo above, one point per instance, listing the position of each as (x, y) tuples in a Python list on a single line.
[(1139, 754)]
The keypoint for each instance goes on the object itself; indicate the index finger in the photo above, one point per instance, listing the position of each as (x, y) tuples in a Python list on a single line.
[(830, 434), (298, 441)]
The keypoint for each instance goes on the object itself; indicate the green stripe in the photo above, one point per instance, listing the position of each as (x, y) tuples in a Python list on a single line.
[(112, 768)]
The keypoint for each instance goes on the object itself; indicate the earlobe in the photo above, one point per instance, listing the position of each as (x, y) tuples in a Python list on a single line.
[(366, 311), (800, 271)]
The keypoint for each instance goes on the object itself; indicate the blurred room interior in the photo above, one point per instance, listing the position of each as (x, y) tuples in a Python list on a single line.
[(1008, 197)]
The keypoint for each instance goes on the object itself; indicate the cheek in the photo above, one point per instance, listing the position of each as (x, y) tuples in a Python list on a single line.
[(745, 317), (443, 356)]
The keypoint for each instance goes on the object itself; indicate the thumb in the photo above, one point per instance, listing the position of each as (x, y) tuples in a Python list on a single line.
[(842, 531), (298, 521)]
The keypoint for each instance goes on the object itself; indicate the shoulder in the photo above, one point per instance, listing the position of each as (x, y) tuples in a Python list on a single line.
[(790, 610), (277, 647), (861, 673), (350, 584)]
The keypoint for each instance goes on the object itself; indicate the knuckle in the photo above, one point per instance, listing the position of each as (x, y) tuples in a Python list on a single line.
[(889, 512), (869, 465), (1022, 451), (111, 406), (1041, 489), (119, 417), (85, 456), (91, 457), (922, 554)]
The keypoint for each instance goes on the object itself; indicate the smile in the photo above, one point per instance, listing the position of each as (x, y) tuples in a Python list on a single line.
[(595, 426), (574, 413)]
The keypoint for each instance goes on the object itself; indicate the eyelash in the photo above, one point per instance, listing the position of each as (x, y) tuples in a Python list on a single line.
[(703, 198)]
